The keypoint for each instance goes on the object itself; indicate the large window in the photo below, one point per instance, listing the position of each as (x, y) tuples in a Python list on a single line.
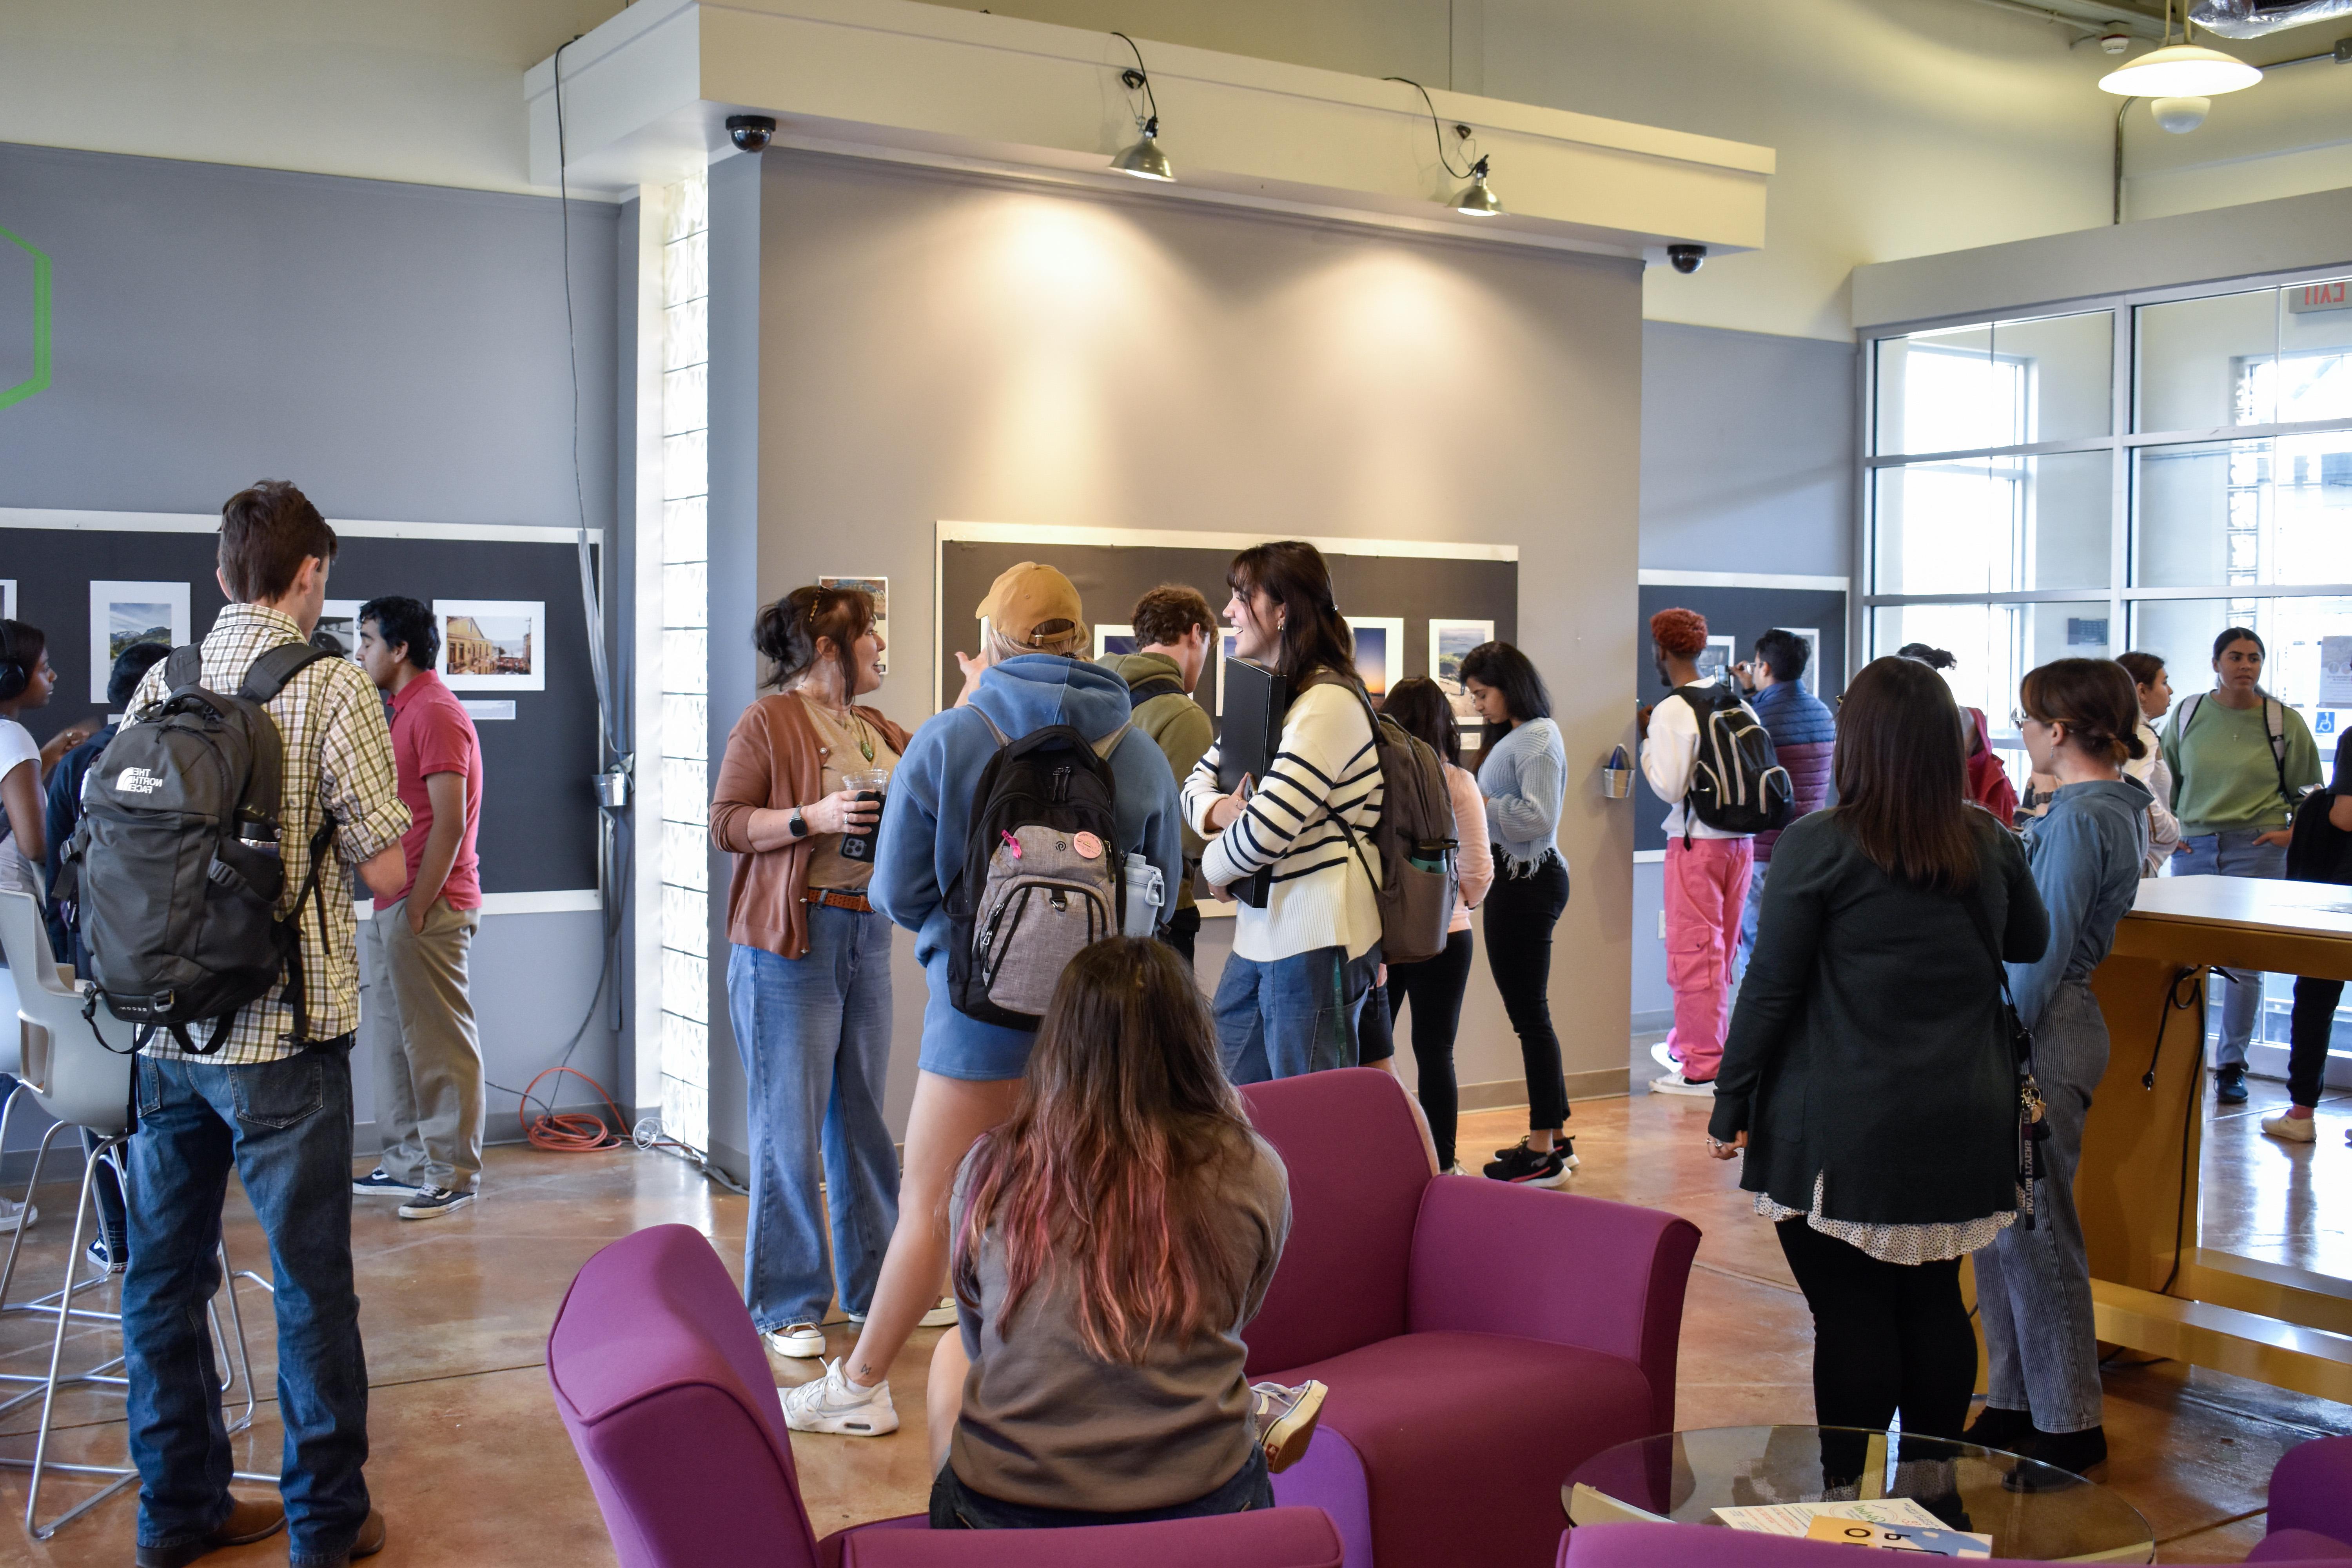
[(2137, 472)]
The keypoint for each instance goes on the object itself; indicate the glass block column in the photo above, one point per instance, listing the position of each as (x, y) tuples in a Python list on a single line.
[(686, 668)]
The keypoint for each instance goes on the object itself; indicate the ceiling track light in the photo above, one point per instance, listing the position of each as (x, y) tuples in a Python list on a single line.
[(1144, 160), (1476, 199)]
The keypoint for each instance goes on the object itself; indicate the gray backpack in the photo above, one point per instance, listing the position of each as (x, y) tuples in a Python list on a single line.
[(1420, 880), (174, 871)]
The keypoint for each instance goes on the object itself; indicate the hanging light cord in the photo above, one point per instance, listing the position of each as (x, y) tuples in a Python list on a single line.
[(1142, 79), (1438, 131)]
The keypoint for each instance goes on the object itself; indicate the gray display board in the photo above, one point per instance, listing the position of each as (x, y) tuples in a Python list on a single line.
[(1110, 579), (538, 812), (1743, 615)]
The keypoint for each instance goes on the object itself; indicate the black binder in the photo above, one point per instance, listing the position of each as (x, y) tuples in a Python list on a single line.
[(1249, 733)]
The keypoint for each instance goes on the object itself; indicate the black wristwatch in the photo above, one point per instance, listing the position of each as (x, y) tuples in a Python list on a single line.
[(800, 823)]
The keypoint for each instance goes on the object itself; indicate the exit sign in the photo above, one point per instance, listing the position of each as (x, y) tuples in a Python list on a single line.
[(2319, 297)]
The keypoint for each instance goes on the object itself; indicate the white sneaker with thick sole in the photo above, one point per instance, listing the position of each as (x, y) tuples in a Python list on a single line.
[(801, 1341), (939, 1317), (833, 1405), (14, 1213), (2292, 1129), (1675, 1083), (1664, 1058)]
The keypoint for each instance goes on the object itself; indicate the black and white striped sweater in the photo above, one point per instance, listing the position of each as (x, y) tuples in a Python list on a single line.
[(1325, 772)]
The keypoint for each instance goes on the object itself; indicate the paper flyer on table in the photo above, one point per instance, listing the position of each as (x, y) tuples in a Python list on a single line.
[(1916, 1538), (1796, 1517)]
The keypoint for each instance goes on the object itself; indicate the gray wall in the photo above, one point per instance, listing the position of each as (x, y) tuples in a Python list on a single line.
[(938, 347), (1747, 451), (398, 351)]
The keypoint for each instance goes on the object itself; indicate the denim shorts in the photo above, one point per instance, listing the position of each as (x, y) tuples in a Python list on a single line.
[(957, 1045), (955, 1506)]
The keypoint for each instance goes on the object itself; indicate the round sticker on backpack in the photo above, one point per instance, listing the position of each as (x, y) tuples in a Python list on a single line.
[(1088, 846)]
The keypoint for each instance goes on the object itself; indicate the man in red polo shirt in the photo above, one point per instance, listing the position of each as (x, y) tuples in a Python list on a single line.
[(428, 1052)]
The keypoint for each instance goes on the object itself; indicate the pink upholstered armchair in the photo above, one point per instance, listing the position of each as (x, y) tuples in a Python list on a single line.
[(1480, 1340), (661, 1381)]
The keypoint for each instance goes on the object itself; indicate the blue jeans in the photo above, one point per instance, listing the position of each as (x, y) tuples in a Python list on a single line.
[(2033, 1287), (815, 1035), (285, 1127), (1748, 920), (1293, 1016), (2233, 855), (955, 1506)]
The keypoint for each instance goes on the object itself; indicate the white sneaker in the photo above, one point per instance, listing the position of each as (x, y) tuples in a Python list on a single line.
[(2292, 1129), (14, 1213), (942, 1316), (1664, 1058), (801, 1341), (1675, 1083), (832, 1404)]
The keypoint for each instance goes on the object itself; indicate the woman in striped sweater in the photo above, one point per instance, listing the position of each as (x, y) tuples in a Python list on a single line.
[(1288, 999)]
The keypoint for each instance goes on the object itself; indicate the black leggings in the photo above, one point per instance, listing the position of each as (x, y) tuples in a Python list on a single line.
[(1434, 986), (2313, 1025), (1887, 1336), (1520, 914)]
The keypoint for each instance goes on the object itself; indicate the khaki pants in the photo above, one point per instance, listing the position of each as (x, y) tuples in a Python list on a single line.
[(428, 1053)]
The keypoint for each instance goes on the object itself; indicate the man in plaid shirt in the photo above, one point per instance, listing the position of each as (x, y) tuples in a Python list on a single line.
[(276, 1107)]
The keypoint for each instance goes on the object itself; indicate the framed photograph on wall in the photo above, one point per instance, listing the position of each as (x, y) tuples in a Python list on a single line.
[(122, 613), (1810, 679), (880, 588), (1110, 640), (1715, 660), (1225, 636), (492, 645), (340, 621), (1448, 641), (8, 598), (1380, 651)]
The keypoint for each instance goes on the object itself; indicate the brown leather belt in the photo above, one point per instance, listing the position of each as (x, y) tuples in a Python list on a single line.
[(833, 897)]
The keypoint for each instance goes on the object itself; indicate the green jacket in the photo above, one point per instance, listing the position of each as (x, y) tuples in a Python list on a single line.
[(2225, 777), (1179, 726)]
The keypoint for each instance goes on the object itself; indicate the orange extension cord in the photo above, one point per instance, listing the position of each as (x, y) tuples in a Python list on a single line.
[(571, 1132)]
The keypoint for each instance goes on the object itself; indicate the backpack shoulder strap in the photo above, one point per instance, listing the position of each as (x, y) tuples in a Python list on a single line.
[(2188, 706), (276, 666), (1002, 739), (1158, 686), (2275, 724), (184, 667)]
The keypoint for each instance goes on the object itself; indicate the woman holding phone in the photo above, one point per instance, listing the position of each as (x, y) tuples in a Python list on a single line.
[(808, 970)]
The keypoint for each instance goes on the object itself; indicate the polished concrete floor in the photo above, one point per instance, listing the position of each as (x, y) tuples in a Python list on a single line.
[(470, 1465)]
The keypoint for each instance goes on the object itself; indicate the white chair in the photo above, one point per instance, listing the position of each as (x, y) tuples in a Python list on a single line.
[(76, 1062)]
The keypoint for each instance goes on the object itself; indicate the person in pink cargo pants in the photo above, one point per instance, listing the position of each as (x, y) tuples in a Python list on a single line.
[(1707, 868)]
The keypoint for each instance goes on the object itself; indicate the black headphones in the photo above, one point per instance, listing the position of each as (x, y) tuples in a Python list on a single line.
[(14, 673)]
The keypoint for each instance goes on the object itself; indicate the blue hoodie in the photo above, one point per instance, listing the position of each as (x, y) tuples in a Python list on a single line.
[(2086, 854), (927, 815)]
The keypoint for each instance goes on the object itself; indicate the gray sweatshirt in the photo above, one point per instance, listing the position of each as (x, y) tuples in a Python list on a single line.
[(2085, 853), (1046, 1425)]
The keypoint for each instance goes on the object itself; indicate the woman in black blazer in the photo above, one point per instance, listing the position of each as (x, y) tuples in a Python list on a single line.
[(1869, 1075)]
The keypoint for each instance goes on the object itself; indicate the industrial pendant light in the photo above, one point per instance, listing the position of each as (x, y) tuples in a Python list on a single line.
[(1144, 160), (2179, 71), (1476, 199)]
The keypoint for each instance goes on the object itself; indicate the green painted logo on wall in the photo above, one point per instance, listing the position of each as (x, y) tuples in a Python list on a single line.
[(40, 376)]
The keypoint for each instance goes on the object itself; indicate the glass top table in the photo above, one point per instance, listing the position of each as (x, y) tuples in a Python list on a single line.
[(2030, 1510)]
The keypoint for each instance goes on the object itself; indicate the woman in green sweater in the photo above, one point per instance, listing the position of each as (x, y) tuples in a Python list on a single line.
[(2239, 760)]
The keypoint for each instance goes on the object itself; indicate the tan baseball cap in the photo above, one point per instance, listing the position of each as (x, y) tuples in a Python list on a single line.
[(1026, 597)]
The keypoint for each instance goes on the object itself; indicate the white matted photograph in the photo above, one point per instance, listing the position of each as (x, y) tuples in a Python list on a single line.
[(1225, 654), (122, 613), (492, 645), (8, 598), (1380, 651), (880, 588), (1448, 641), (1114, 640), (1714, 661), (341, 622)]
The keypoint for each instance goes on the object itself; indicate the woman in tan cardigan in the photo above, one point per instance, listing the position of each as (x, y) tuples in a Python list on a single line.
[(808, 973)]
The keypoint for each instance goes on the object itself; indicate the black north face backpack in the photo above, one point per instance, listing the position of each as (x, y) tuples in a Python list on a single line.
[(1737, 784), (174, 871)]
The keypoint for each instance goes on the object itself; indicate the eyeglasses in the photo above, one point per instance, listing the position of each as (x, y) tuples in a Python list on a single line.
[(2019, 719)]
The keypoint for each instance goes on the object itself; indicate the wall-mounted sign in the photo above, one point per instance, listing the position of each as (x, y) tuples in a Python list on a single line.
[(2320, 297)]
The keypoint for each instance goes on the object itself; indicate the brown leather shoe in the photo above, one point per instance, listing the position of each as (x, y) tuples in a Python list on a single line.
[(370, 1542), (248, 1521)]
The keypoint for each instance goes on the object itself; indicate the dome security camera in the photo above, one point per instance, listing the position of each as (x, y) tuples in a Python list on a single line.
[(1686, 259), (2114, 42), (750, 132)]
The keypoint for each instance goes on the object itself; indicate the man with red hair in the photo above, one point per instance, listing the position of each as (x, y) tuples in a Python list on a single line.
[(1706, 868)]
